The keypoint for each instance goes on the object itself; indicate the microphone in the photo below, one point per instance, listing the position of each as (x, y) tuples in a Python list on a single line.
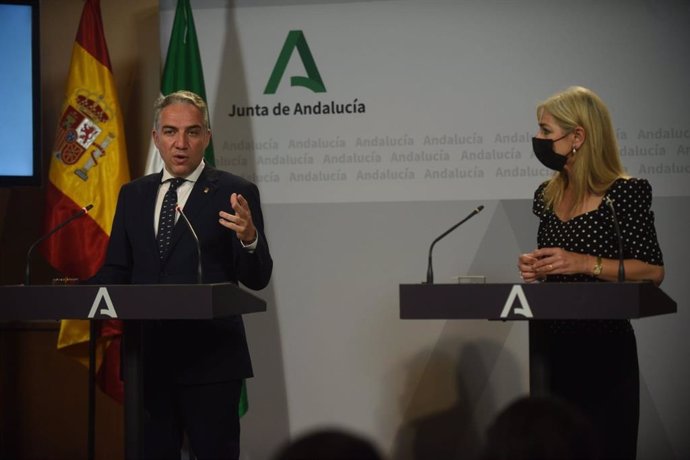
[(27, 271), (199, 272), (621, 265), (429, 270)]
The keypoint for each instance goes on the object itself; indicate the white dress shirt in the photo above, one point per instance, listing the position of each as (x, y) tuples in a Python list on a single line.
[(183, 192)]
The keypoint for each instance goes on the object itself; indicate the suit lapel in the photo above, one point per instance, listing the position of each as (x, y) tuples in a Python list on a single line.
[(202, 192), (150, 193)]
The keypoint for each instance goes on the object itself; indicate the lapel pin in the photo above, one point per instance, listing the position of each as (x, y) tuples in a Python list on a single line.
[(205, 189)]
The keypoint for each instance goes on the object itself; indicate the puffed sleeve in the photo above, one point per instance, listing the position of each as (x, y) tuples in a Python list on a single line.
[(632, 201)]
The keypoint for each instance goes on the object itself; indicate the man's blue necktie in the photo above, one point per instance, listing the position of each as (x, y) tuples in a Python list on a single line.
[(166, 222)]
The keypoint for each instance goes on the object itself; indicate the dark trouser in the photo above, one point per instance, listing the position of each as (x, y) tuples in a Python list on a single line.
[(596, 370), (208, 413)]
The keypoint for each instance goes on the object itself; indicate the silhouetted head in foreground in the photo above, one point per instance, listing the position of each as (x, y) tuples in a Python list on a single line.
[(540, 428), (329, 444)]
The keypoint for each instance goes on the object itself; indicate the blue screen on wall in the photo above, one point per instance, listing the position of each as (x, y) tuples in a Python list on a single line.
[(20, 93)]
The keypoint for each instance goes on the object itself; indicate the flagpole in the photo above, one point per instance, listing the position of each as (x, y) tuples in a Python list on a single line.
[(93, 335)]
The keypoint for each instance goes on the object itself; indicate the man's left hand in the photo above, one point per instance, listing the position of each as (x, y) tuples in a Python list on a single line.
[(240, 222)]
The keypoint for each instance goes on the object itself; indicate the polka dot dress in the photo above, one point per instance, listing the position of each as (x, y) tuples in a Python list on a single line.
[(594, 233)]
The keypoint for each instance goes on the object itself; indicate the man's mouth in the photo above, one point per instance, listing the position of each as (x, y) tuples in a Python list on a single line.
[(179, 158)]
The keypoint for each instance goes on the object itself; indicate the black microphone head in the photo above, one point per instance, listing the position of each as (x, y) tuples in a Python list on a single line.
[(88, 207), (480, 207)]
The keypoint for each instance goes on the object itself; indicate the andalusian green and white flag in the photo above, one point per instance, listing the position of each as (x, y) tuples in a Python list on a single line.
[(182, 71)]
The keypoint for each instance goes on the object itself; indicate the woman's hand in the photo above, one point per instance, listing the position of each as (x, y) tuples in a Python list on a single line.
[(557, 261), (526, 266)]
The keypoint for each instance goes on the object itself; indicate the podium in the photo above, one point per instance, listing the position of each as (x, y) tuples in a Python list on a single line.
[(534, 302), (132, 304), (504, 301)]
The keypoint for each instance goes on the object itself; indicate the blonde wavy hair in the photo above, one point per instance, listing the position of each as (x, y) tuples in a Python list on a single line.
[(597, 162)]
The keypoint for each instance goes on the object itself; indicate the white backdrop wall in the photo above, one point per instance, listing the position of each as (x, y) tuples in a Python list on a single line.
[(443, 95)]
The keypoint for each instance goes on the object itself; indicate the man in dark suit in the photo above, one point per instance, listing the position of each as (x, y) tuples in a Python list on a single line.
[(193, 370)]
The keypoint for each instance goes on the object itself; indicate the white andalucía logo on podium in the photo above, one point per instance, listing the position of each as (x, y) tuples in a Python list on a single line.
[(523, 309), (109, 310)]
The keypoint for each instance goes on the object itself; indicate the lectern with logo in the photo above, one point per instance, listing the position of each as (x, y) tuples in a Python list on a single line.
[(533, 302), (133, 304)]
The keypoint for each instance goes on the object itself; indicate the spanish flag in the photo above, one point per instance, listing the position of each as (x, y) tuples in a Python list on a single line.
[(88, 165)]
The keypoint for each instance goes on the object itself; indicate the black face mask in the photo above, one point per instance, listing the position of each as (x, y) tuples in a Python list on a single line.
[(543, 150)]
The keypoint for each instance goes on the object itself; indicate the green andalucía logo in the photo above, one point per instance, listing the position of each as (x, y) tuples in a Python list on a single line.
[(312, 81)]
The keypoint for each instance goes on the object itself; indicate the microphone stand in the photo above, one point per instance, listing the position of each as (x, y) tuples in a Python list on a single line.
[(429, 270), (621, 265), (199, 272), (27, 270)]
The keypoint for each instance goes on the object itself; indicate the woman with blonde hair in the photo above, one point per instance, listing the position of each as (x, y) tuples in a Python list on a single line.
[(591, 363)]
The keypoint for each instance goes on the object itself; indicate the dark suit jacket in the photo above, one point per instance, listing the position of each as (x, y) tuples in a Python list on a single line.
[(196, 351)]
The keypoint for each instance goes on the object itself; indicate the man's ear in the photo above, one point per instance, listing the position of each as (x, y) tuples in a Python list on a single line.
[(154, 137)]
